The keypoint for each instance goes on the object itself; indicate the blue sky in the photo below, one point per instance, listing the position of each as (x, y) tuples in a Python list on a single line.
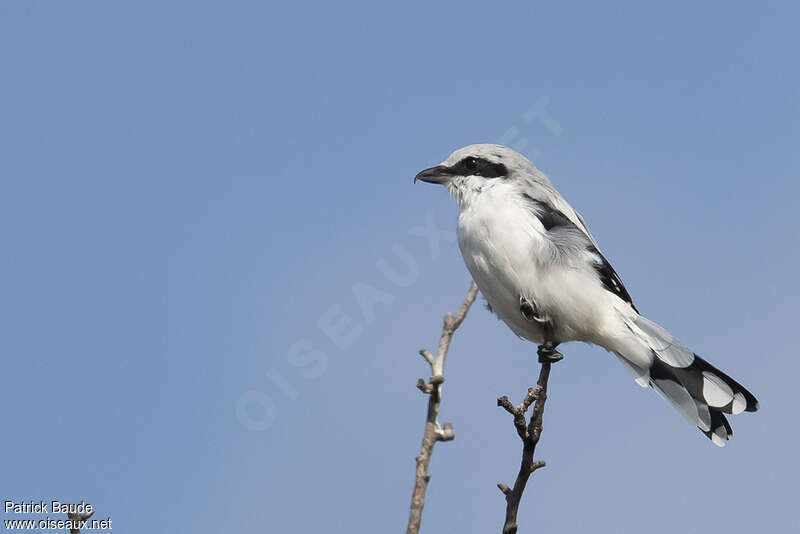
[(194, 193)]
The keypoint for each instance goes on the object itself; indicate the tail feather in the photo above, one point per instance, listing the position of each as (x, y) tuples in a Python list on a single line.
[(698, 390)]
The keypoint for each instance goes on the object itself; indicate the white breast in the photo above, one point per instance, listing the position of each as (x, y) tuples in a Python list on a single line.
[(498, 243), (509, 254)]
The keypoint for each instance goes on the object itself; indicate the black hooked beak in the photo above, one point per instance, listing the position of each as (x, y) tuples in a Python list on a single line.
[(435, 175)]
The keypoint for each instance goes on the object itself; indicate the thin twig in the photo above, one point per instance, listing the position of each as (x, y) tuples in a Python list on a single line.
[(433, 388), (78, 518), (530, 434)]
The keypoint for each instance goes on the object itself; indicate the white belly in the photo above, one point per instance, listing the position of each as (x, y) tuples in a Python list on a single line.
[(508, 253)]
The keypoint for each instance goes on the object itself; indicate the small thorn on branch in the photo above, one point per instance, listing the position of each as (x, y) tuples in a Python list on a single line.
[(446, 433), (533, 395), (448, 320), (79, 517), (423, 387), (505, 489), (76, 519), (538, 464), (425, 353), (505, 403)]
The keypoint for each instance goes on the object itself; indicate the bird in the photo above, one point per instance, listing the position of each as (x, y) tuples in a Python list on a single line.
[(542, 273)]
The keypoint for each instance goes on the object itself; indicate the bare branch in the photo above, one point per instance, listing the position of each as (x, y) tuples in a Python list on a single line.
[(446, 433), (433, 431), (423, 387), (427, 355), (77, 518), (537, 465), (529, 433)]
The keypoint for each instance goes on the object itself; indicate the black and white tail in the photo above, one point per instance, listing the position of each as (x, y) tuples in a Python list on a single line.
[(698, 390)]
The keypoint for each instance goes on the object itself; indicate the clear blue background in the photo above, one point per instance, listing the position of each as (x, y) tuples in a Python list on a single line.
[(191, 189)]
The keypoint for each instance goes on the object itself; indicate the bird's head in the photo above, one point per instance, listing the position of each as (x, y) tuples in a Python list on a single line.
[(472, 169)]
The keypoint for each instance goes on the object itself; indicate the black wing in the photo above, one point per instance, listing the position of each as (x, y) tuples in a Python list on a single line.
[(552, 219), (610, 278)]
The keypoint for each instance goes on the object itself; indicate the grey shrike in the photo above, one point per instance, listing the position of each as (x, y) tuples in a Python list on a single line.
[(543, 274)]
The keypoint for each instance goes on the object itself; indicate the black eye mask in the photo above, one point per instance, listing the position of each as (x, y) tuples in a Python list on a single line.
[(472, 166)]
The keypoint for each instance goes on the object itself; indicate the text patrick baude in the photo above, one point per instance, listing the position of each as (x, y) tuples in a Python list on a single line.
[(42, 507)]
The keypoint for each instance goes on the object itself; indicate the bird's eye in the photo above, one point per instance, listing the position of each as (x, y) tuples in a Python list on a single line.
[(473, 166)]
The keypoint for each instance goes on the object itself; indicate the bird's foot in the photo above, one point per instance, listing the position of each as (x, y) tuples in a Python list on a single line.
[(529, 311), (548, 353)]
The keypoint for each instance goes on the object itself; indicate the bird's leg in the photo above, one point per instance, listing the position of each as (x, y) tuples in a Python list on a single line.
[(547, 350)]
